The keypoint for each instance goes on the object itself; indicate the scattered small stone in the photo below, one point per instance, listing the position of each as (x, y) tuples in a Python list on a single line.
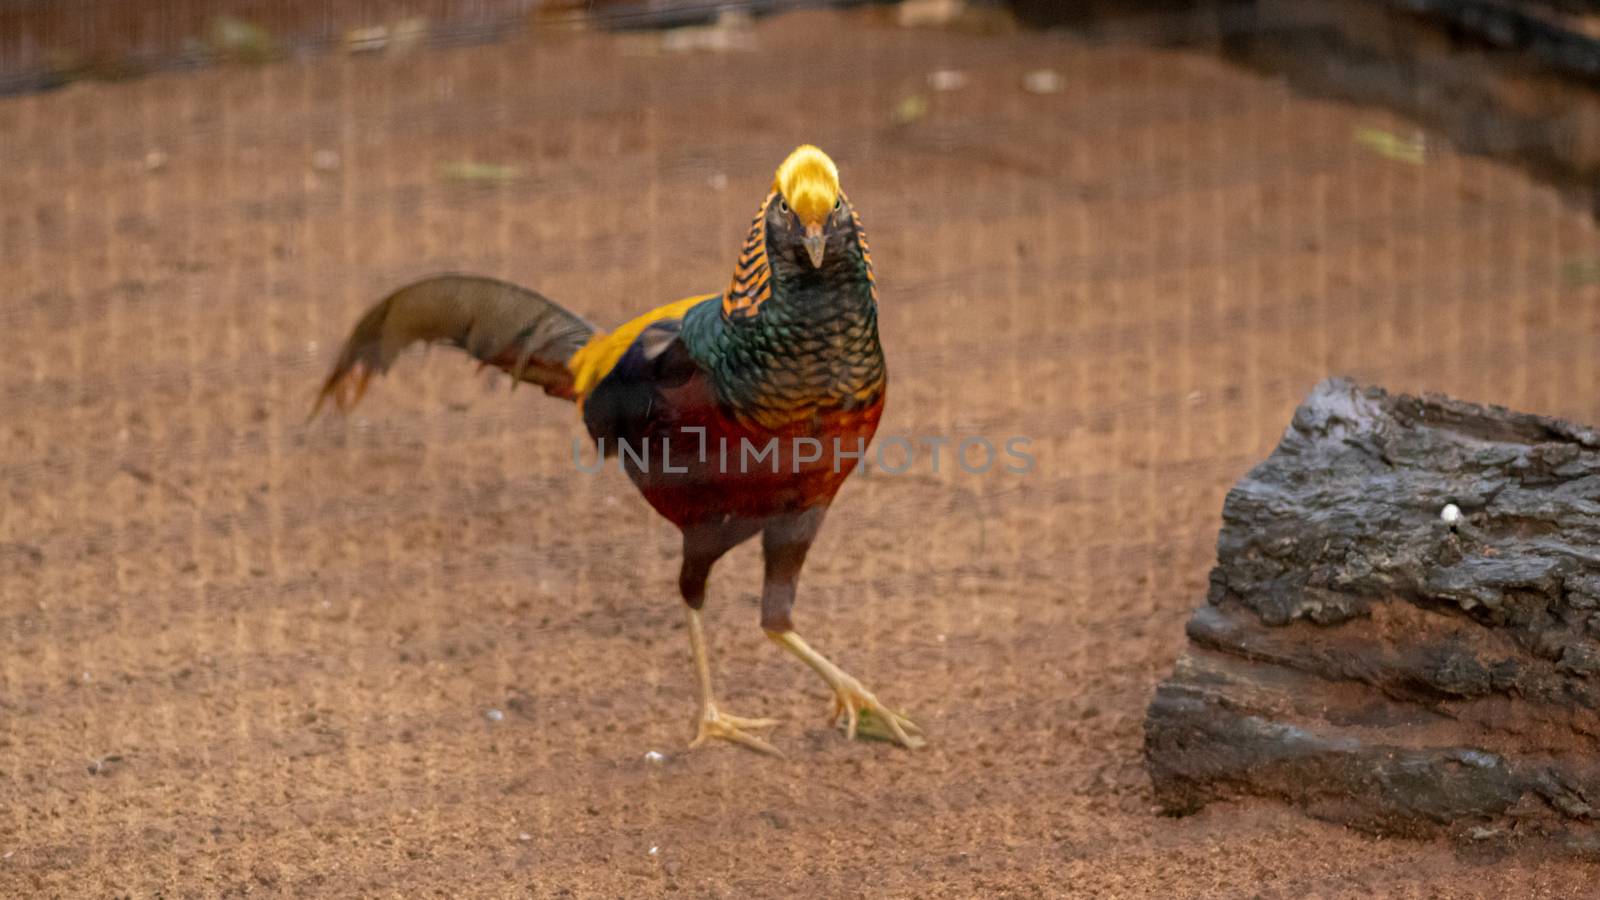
[(408, 34), (656, 757), (1043, 81), (494, 715), (730, 33), (1411, 150), (524, 836), (1451, 514), (947, 80), (925, 13), (654, 850), (155, 160), (366, 40), (242, 41), (719, 182), (909, 110), (325, 160), (479, 172), (103, 765)]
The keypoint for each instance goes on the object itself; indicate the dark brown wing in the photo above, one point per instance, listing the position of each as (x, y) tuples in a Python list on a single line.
[(499, 323)]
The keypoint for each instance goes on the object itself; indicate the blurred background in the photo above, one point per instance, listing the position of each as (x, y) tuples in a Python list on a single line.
[(413, 652)]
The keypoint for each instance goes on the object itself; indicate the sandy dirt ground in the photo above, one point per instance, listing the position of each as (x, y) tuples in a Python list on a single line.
[(415, 653)]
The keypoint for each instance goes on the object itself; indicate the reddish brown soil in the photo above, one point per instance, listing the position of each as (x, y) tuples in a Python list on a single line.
[(244, 654)]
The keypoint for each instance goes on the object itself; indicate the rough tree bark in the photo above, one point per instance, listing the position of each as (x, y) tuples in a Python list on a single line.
[(1366, 659)]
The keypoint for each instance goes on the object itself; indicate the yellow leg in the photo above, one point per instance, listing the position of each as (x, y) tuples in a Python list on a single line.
[(849, 696), (714, 723)]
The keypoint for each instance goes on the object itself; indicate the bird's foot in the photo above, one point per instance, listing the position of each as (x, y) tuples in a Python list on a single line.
[(865, 715), (720, 725)]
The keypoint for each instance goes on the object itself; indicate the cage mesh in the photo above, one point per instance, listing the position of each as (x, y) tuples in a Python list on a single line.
[(413, 651)]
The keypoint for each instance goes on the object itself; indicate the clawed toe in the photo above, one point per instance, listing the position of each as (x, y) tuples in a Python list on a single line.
[(865, 715), (724, 727)]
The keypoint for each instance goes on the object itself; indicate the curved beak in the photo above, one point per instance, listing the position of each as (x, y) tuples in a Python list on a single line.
[(816, 243)]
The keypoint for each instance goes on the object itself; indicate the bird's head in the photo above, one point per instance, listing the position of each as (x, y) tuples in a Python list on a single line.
[(807, 207)]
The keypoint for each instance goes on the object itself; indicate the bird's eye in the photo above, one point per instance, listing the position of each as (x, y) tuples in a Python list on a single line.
[(783, 206), (838, 204)]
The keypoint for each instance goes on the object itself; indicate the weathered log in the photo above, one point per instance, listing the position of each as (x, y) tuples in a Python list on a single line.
[(1402, 632)]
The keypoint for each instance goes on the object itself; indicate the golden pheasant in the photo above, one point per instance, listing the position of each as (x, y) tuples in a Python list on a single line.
[(736, 414)]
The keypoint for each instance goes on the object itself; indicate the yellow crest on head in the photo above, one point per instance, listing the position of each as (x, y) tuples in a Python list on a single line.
[(809, 183)]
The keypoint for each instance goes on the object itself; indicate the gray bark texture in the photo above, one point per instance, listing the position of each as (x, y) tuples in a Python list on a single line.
[(1364, 659)]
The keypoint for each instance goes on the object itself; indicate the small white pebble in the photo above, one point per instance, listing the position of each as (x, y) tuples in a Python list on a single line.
[(495, 715), (654, 757), (325, 160), (1451, 514), (719, 181), (524, 836), (947, 80), (1042, 81), (654, 850), (87, 677), (155, 161), (8, 854), (939, 638)]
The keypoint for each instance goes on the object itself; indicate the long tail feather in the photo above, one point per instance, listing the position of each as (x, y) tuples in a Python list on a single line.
[(500, 324)]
